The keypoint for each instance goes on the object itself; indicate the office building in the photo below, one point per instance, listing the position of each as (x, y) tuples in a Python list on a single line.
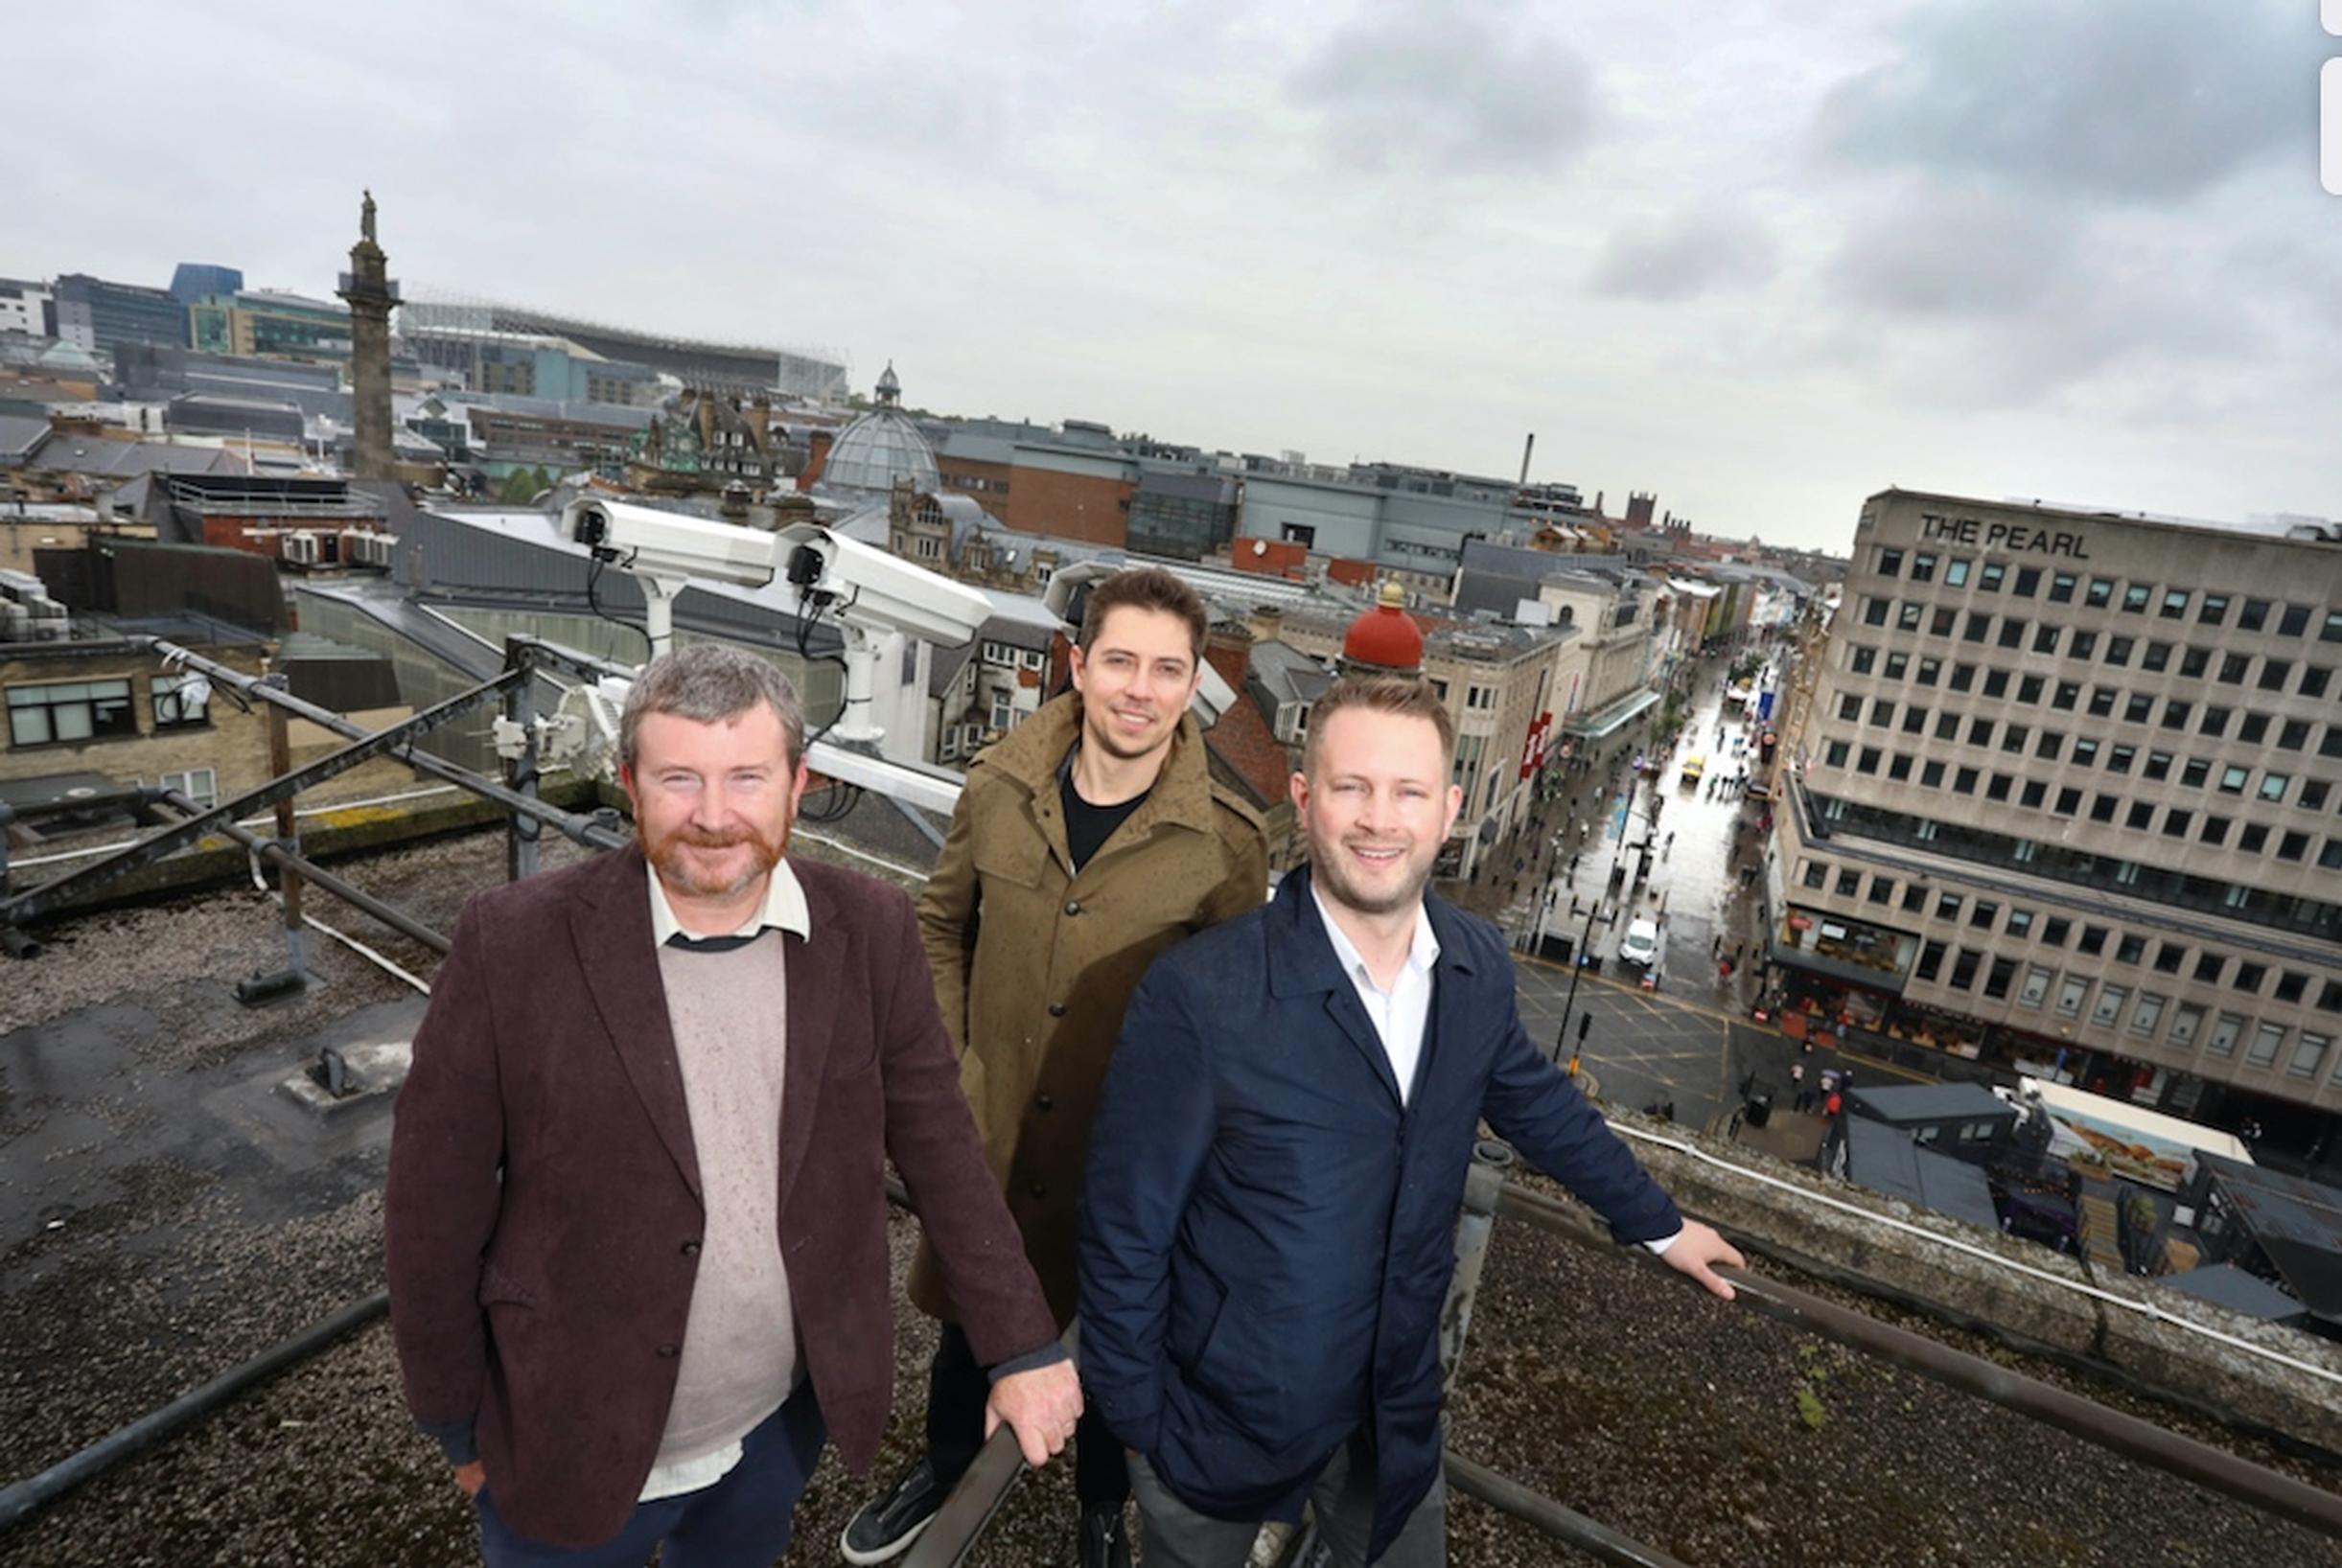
[(191, 281), (271, 324), (95, 314), (2066, 793), (26, 307)]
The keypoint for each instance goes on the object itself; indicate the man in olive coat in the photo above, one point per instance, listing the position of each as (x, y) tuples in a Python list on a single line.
[(1085, 843)]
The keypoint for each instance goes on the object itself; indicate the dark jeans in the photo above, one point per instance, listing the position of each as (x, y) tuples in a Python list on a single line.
[(742, 1521), (957, 1389)]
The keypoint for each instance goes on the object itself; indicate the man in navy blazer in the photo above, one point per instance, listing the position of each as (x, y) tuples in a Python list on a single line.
[(1279, 1159)]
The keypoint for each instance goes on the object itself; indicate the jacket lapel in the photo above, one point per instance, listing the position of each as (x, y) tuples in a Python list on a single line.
[(1303, 962), (812, 964), (1450, 987), (611, 929)]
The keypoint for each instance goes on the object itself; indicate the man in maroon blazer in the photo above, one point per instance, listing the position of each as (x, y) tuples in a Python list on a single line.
[(635, 1226)]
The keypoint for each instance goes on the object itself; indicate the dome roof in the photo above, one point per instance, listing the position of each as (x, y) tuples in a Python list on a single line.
[(880, 446), (1386, 637)]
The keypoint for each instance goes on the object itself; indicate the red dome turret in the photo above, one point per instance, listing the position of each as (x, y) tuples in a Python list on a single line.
[(1385, 638)]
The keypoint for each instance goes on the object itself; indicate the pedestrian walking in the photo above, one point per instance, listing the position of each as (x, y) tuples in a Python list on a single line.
[(1801, 1097)]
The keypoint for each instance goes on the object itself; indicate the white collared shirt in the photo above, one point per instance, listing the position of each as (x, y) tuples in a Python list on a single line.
[(783, 906), (1400, 1013)]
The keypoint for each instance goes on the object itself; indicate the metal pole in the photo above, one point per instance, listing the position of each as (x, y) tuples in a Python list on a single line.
[(290, 861), (53, 894), (2127, 1435), (522, 831), (583, 830), (1565, 1525), (289, 838), (952, 1534), (1483, 1184), (24, 1496)]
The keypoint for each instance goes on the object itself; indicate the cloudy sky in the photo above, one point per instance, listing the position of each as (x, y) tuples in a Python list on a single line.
[(1762, 259)]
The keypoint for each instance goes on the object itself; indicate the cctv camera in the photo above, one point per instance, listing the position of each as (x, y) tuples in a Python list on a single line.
[(877, 593), (650, 542)]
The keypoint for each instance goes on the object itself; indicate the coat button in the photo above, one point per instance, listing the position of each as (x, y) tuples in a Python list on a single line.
[(1073, 906), (1056, 1009), (691, 1248), (667, 1352), (1047, 1104), (1038, 1189)]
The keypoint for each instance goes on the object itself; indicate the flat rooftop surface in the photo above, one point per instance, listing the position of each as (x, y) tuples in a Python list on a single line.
[(164, 1216)]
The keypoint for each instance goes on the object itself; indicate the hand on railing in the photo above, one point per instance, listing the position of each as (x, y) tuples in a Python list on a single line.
[(1039, 1406)]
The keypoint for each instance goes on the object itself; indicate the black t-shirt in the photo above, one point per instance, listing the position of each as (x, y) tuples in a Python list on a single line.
[(1088, 827)]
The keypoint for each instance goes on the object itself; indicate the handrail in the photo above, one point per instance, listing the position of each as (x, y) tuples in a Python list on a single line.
[(2127, 1435)]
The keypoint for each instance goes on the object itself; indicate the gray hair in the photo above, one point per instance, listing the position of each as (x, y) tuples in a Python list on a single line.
[(707, 681)]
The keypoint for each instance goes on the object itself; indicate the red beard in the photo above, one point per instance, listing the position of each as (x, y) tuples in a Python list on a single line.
[(667, 854)]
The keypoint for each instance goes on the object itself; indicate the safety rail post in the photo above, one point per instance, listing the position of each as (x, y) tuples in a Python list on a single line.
[(2171, 1452), (1483, 1185), (287, 838), (522, 831)]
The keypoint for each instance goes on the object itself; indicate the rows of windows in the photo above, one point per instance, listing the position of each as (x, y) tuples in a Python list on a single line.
[(2037, 981), (2134, 598), (2181, 822), (2159, 952), (2151, 655), (69, 712), (2057, 863)]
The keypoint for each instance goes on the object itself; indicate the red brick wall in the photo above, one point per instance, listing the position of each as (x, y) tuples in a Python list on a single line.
[(1070, 505), (993, 494), (1269, 557)]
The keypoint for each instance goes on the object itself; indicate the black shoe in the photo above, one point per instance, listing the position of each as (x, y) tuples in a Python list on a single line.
[(1104, 1543), (888, 1523)]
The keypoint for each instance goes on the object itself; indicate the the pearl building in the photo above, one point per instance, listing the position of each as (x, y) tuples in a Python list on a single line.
[(2064, 789)]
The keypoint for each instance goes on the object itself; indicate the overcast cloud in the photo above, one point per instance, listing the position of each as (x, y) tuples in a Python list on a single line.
[(1762, 260)]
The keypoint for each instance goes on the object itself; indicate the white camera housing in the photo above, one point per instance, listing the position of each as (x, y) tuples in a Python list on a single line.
[(879, 592), (651, 542)]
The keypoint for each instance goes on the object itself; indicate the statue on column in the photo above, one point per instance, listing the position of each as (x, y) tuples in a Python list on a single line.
[(366, 217)]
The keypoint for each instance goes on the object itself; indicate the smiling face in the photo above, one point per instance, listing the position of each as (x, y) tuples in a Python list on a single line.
[(1377, 805), (713, 802), (1135, 679)]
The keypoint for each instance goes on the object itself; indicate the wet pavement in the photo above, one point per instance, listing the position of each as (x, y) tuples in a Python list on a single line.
[(1650, 844)]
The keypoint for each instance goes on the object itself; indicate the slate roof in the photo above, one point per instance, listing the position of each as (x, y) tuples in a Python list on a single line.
[(19, 435), (1933, 1102), (1887, 1159), (2297, 1224), (99, 458), (1289, 675), (2239, 1290)]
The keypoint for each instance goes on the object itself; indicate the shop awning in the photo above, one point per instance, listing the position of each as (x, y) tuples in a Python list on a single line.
[(1595, 725)]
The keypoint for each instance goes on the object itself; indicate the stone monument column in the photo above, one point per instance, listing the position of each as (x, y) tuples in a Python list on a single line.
[(370, 294)]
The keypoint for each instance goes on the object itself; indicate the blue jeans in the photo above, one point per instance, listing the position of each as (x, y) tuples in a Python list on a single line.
[(740, 1522)]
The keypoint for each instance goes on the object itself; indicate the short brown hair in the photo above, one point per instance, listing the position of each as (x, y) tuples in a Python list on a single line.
[(708, 682), (1146, 588), (1402, 695)]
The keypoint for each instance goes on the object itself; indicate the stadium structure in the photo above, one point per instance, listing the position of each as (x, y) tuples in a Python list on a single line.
[(740, 369)]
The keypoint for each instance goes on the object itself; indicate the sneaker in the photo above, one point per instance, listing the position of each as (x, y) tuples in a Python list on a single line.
[(888, 1523), (1104, 1544)]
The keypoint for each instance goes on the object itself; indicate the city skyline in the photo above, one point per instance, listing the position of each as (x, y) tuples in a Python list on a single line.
[(1764, 270)]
